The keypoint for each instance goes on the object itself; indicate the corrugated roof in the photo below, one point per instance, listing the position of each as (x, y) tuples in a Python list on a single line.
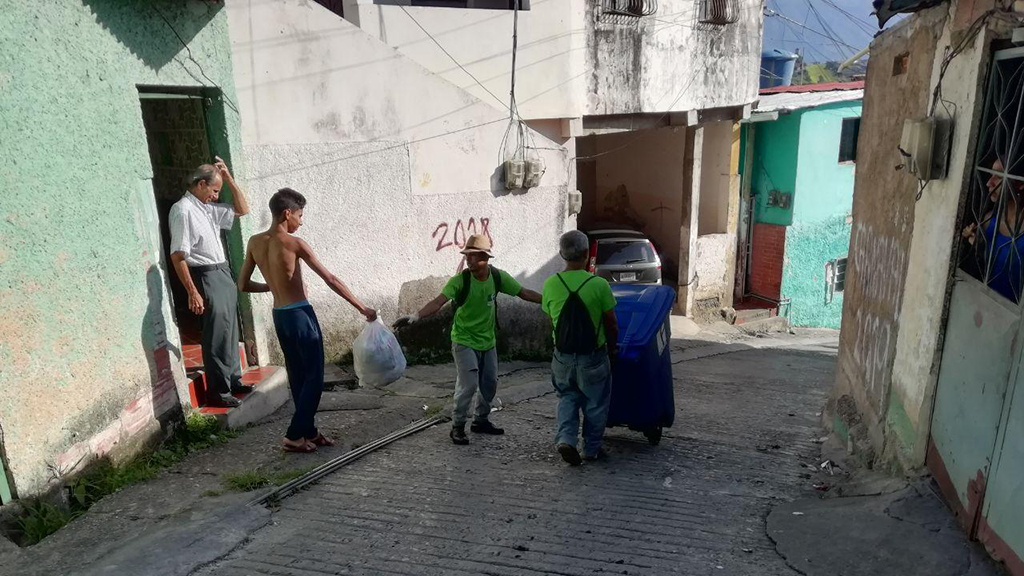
[(823, 87), (788, 101)]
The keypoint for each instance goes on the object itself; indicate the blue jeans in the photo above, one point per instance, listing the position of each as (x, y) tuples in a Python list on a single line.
[(303, 347), (583, 383)]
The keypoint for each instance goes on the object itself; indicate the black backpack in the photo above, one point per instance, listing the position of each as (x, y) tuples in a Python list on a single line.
[(463, 294), (575, 333)]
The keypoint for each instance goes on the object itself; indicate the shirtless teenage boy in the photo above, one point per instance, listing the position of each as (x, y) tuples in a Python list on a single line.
[(278, 254)]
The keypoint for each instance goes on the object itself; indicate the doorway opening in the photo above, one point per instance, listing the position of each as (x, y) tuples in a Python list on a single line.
[(178, 133)]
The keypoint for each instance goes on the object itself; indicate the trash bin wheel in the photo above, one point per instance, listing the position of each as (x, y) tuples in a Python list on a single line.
[(653, 436)]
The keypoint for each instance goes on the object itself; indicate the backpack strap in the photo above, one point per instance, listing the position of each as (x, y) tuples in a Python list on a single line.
[(496, 278), (577, 291), (463, 294)]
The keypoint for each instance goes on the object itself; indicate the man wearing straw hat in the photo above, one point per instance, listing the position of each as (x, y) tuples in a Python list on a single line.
[(474, 295)]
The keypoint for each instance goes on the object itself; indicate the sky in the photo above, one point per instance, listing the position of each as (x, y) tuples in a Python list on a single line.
[(823, 30)]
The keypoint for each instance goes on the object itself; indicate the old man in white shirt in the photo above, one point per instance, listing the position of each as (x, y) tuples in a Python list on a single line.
[(198, 258)]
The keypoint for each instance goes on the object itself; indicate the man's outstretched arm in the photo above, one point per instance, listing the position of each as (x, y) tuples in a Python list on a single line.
[(306, 254), (432, 307)]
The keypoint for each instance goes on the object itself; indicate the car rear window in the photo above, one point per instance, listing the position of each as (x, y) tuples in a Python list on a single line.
[(621, 253)]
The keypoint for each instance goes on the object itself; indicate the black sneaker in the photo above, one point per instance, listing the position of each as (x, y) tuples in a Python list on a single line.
[(458, 435), (242, 389), (569, 454), (601, 455), (486, 427)]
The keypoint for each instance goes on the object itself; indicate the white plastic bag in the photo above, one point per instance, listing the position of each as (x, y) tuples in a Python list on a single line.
[(378, 357)]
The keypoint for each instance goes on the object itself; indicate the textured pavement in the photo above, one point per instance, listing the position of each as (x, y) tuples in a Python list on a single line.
[(746, 421)]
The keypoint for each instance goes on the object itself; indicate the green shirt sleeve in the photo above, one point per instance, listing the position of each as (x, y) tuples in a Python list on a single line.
[(607, 298), (453, 287), (510, 285)]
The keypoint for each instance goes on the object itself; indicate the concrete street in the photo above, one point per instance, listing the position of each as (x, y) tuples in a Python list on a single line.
[(747, 419), (734, 488)]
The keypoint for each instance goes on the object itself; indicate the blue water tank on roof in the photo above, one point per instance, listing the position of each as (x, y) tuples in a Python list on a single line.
[(777, 68)]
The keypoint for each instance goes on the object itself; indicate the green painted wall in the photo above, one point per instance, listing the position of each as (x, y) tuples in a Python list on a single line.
[(776, 145), (82, 302), (822, 205)]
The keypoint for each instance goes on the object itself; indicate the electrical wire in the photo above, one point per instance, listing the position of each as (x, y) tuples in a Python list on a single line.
[(452, 58), (188, 53), (772, 13)]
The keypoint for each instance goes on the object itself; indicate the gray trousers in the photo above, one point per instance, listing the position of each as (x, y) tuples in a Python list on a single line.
[(220, 327), (476, 371)]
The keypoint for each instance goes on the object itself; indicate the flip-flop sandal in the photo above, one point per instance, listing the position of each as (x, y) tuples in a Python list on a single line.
[(305, 448), (321, 440)]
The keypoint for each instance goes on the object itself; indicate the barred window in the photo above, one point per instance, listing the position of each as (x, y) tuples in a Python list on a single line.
[(483, 4), (992, 234)]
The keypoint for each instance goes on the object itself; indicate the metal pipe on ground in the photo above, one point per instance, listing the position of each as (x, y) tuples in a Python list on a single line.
[(289, 488)]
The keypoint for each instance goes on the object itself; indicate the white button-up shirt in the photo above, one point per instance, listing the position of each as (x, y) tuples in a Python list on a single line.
[(195, 230)]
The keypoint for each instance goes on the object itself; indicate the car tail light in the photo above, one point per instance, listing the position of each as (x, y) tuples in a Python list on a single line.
[(656, 255), (592, 267)]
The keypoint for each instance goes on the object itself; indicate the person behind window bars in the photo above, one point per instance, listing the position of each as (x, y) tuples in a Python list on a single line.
[(997, 258)]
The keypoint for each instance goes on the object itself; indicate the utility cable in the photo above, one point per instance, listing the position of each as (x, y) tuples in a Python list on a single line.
[(452, 58)]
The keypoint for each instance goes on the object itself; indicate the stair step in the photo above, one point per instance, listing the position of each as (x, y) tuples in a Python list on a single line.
[(192, 354), (754, 315)]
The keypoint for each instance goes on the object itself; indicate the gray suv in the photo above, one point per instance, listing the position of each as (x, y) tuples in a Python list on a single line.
[(624, 257)]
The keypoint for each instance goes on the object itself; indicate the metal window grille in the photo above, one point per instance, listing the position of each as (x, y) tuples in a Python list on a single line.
[(484, 4), (630, 8), (835, 278), (717, 12), (992, 230)]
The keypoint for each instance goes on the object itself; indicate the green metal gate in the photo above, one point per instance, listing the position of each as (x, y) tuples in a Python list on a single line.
[(977, 445)]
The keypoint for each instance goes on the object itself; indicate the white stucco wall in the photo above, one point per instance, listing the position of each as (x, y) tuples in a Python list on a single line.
[(550, 58), (398, 164), (650, 165), (572, 61), (716, 178)]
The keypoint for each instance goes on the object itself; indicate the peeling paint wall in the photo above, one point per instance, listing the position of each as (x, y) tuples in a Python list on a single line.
[(883, 218), (89, 351), (573, 61), (670, 62), (399, 167), (931, 263)]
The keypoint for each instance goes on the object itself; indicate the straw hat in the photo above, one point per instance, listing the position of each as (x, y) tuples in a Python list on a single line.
[(478, 244)]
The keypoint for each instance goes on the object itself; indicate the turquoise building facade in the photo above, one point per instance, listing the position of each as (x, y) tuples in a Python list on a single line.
[(803, 160)]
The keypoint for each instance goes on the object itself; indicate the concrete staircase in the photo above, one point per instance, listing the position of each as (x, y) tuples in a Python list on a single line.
[(270, 393)]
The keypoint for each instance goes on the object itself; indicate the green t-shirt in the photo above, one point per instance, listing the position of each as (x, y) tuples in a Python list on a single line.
[(596, 295), (474, 320)]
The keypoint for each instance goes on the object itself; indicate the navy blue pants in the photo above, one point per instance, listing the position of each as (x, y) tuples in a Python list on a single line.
[(303, 345)]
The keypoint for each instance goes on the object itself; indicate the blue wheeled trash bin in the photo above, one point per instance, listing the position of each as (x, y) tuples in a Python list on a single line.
[(642, 397)]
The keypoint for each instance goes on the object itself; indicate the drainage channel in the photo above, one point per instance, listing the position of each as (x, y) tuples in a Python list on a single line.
[(286, 490)]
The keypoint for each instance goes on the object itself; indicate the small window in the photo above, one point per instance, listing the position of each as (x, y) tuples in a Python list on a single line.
[(835, 278), (630, 8), (848, 140), (717, 12), (483, 4)]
